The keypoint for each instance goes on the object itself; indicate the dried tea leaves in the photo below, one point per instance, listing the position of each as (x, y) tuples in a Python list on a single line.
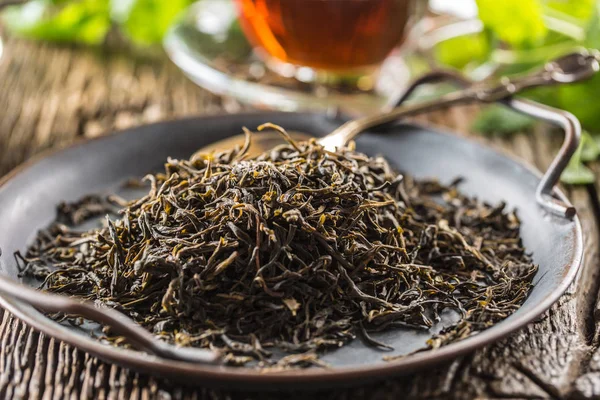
[(299, 249)]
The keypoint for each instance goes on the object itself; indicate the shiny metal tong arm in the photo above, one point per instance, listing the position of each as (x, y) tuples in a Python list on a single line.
[(573, 67)]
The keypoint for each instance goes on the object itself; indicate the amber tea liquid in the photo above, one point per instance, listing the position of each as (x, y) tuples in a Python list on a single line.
[(335, 35)]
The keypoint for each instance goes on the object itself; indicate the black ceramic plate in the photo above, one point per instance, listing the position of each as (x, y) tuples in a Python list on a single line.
[(29, 195)]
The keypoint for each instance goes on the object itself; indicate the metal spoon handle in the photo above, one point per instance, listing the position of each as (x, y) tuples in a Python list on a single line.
[(573, 67)]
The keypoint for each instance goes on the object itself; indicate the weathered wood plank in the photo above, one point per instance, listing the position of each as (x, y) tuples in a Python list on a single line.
[(51, 95), (587, 383)]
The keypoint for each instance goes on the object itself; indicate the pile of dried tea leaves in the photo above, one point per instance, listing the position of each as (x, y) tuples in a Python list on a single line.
[(298, 249)]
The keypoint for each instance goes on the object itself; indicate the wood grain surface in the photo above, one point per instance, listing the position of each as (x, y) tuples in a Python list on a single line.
[(50, 96)]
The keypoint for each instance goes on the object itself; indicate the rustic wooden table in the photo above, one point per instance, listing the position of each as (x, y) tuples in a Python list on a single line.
[(50, 96)]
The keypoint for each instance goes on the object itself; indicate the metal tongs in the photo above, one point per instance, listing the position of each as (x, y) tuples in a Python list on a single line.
[(571, 68)]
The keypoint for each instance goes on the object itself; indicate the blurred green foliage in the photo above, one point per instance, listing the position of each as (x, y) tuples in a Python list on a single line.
[(143, 22), (88, 20), (520, 35), (518, 23), (500, 120)]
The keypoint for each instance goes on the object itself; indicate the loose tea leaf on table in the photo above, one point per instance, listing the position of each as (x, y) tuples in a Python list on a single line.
[(297, 250)]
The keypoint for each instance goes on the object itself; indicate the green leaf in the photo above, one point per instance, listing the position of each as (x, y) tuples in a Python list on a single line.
[(576, 172), (461, 51), (146, 21), (590, 149), (517, 22), (592, 37), (596, 139), (500, 120), (581, 100), (580, 9), (84, 21)]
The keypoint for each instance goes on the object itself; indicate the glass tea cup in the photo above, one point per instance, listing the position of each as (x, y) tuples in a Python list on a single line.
[(326, 39)]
